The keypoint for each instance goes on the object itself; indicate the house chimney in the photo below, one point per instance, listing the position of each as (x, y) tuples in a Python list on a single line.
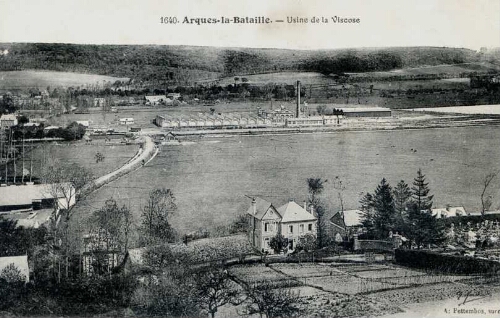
[(305, 205), (312, 209), (254, 206)]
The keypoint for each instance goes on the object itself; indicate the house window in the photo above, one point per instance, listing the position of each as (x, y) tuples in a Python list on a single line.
[(266, 227), (267, 242), (290, 229), (301, 228), (309, 227)]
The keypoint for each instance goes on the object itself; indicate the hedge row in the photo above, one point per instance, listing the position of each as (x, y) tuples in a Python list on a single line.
[(445, 263)]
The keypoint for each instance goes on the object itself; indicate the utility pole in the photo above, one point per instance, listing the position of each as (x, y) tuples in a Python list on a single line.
[(31, 159), (22, 172)]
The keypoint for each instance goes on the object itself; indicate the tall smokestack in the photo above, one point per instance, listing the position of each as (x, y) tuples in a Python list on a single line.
[(297, 113)]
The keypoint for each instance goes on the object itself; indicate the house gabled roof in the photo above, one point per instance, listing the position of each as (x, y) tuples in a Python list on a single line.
[(353, 217), (292, 212), (261, 207), (338, 220), (25, 194)]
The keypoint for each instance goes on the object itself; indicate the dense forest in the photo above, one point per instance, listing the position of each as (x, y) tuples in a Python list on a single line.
[(190, 64)]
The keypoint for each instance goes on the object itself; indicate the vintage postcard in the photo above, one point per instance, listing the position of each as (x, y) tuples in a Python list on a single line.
[(217, 158)]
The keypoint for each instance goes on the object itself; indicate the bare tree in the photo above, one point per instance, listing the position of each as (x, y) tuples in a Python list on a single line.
[(486, 202), (266, 300), (109, 235), (156, 213), (216, 289)]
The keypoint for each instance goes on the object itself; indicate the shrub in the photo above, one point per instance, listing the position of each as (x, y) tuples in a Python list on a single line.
[(445, 263)]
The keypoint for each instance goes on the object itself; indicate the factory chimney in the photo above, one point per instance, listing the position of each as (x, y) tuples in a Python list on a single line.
[(297, 113)]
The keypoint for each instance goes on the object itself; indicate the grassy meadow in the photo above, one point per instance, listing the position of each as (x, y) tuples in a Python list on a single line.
[(42, 79), (210, 177)]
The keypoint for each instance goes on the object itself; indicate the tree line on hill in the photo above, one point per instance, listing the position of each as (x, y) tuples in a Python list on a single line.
[(182, 64)]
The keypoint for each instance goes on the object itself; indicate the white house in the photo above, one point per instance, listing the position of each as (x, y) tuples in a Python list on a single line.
[(449, 212), (155, 99), (174, 96), (84, 123), (126, 121), (8, 120), (290, 220), (99, 102)]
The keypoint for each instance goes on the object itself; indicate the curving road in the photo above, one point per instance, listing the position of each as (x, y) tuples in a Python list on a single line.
[(145, 154)]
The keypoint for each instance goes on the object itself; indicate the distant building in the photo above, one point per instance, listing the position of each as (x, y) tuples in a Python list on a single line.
[(447, 212), (7, 121), (99, 102), (84, 123), (36, 196), (345, 223), (126, 121), (100, 253), (312, 121), (155, 100), (30, 219), (290, 220), (366, 112), (20, 262), (174, 96), (276, 115), (350, 110)]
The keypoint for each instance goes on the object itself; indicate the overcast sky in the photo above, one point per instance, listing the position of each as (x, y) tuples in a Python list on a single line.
[(453, 23)]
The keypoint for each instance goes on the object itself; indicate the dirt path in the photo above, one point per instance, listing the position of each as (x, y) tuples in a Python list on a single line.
[(145, 154)]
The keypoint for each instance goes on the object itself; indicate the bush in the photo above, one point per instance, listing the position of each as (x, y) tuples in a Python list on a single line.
[(445, 263)]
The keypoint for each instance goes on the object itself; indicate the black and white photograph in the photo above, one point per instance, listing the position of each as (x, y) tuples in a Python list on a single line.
[(252, 158)]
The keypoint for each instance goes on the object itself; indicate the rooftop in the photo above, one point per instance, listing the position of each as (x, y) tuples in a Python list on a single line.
[(25, 194), (292, 212), (261, 207), (353, 217)]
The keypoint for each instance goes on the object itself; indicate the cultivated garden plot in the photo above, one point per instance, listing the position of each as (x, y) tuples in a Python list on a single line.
[(423, 279), (257, 273), (388, 273), (306, 270), (340, 305), (347, 284), (361, 267)]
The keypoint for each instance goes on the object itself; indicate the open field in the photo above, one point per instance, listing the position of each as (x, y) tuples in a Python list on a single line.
[(290, 78), (452, 83), (79, 153), (454, 69), (469, 110), (42, 79), (210, 177)]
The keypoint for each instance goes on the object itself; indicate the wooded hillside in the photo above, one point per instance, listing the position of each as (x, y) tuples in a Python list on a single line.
[(188, 64)]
